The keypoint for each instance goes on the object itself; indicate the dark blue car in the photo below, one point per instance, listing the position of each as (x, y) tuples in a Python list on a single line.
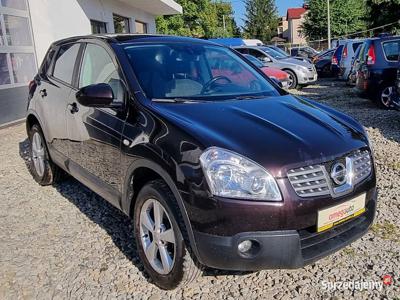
[(336, 58)]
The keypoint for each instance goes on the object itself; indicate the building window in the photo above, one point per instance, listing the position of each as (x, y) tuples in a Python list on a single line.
[(4, 74), (17, 31), (98, 27), (15, 4), (17, 59), (140, 27), (121, 24), (23, 65)]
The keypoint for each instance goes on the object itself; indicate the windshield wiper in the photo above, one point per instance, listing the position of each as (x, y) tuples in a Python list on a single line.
[(248, 97), (175, 100)]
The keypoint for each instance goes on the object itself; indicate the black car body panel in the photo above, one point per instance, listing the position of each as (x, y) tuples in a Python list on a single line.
[(115, 150)]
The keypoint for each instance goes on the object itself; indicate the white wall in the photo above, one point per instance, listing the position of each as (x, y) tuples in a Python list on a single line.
[(57, 19), (102, 10)]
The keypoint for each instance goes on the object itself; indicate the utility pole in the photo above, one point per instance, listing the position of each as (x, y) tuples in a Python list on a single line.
[(329, 26), (223, 22)]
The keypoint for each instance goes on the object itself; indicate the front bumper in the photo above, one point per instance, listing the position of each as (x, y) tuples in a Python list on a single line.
[(306, 77), (284, 248)]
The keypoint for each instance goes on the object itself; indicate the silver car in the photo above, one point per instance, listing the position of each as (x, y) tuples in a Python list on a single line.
[(301, 71)]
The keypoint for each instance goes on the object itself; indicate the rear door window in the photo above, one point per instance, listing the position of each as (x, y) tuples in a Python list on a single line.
[(65, 62), (391, 50)]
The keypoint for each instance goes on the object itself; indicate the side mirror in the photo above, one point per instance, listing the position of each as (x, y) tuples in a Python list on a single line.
[(96, 95)]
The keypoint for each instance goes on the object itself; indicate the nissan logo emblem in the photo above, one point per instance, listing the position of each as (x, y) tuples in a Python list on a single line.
[(339, 173)]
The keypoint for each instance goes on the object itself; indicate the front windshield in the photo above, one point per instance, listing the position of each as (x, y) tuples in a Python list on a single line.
[(195, 71), (275, 54)]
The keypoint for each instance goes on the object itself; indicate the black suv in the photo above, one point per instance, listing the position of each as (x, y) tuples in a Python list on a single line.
[(377, 69), (216, 165)]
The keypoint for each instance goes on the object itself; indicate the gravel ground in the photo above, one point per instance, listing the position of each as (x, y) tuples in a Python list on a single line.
[(66, 242)]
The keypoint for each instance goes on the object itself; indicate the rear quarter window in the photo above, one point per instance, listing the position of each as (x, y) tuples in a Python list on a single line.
[(47, 62), (391, 50)]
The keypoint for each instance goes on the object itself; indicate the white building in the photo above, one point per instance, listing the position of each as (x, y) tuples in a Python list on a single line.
[(28, 27)]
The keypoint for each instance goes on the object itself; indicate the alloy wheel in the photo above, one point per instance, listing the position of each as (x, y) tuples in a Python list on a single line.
[(38, 153), (386, 96), (291, 80), (157, 236)]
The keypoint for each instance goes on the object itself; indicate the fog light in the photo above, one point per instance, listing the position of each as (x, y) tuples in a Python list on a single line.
[(245, 246)]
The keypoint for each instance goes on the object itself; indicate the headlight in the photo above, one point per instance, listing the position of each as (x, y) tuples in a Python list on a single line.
[(233, 176)]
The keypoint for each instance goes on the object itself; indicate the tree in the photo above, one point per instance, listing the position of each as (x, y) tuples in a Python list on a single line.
[(382, 12), (347, 16), (225, 14), (200, 18), (261, 19)]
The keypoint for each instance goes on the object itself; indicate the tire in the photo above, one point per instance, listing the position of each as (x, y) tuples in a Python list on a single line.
[(43, 170), (292, 79), (182, 267), (384, 96)]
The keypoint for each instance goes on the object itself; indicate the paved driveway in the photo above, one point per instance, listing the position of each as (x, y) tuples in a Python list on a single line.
[(66, 242)]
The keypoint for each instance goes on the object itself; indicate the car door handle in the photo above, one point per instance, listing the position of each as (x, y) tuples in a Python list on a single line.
[(73, 108), (43, 93)]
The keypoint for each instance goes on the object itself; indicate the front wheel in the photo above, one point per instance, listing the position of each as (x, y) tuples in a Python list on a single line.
[(159, 239), (292, 79)]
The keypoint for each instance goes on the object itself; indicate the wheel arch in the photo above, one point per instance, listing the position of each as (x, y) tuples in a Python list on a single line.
[(32, 119), (143, 171)]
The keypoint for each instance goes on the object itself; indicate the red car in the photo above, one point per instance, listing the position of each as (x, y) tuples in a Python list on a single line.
[(278, 74)]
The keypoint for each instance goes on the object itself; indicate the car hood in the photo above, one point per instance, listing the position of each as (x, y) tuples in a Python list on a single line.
[(295, 61), (276, 132)]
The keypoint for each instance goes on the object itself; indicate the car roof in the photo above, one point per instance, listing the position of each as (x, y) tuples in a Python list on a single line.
[(135, 38)]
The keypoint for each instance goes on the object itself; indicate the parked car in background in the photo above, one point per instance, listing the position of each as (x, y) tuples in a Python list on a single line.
[(277, 49), (300, 72), (323, 63), (304, 51), (337, 56), (215, 165), (283, 52), (396, 98), (274, 73), (377, 73), (355, 65), (348, 54), (231, 42)]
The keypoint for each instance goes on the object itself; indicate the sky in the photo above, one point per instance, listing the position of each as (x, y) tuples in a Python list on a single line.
[(282, 5)]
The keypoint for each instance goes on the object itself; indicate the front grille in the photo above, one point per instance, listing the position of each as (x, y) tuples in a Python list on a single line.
[(314, 180), (309, 181), (361, 165)]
